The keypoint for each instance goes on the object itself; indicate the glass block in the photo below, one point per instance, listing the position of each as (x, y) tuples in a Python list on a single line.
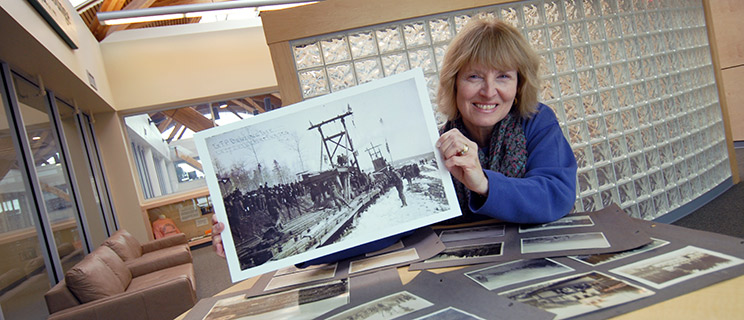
[(594, 29), (590, 8), (633, 141), (510, 15), (557, 37), (599, 54), (639, 92), (439, 52), (587, 181), (362, 45), (605, 175), (415, 35), (641, 186), (658, 44), (487, 14), (652, 158), (608, 102), (660, 203), (572, 10), (675, 199), (638, 164), (612, 28), (394, 63), (553, 13), (613, 126), (563, 60), (423, 58), (629, 118), (626, 192), (567, 84), (609, 197), (596, 128), (631, 48), (640, 21), (389, 39), (647, 136), (616, 50), (624, 6), (546, 64), (313, 83), (432, 81), (647, 209), (538, 39), (686, 192), (368, 70), (656, 181), (587, 80), (591, 104), (626, 25), (572, 109), (341, 76), (461, 21), (440, 30), (622, 169), (547, 93), (578, 33), (583, 157), (532, 15), (665, 154), (633, 211), (655, 20), (307, 56), (335, 50), (624, 99), (591, 203), (578, 133), (670, 175), (601, 151), (582, 57)]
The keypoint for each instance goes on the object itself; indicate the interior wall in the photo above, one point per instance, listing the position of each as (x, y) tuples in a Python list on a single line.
[(172, 65), (727, 25)]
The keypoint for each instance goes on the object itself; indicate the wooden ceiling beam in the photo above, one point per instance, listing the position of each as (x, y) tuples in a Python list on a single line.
[(255, 105), (244, 106), (165, 124), (190, 118), (174, 132)]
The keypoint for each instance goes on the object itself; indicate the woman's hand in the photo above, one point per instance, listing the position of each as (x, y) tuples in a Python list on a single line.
[(461, 159), (217, 228)]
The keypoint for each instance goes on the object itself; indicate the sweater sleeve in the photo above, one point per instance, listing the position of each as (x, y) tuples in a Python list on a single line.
[(547, 191)]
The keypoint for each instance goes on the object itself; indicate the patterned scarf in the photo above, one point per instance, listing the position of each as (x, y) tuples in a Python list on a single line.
[(506, 153)]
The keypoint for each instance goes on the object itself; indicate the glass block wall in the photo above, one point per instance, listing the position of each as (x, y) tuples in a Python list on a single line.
[(632, 83)]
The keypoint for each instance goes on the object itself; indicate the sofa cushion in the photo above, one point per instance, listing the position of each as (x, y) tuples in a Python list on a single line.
[(124, 244), (160, 259), (97, 276)]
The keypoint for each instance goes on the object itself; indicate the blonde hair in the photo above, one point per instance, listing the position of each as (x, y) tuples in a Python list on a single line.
[(495, 44)]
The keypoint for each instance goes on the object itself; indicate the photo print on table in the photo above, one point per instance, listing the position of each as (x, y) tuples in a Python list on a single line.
[(302, 276), (388, 307), (327, 174), (562, 223), (674, 267), (303, 303), (514, 272), (471, 233), (578, 294), (562, 242), (602, 258), (467, 252)]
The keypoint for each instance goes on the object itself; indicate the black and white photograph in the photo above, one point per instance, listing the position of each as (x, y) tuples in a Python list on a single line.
[(490, 231), (388, 307), (561, 242), (384, 260), (327, 174), (677, 266), (602, 258), (294, 269), (514, 272), (562, 223), (303, 303), (466, 252), (575, 295), (450, 313), (302, 276)]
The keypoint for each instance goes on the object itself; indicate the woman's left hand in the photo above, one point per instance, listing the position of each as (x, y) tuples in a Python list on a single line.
[(461, 159)]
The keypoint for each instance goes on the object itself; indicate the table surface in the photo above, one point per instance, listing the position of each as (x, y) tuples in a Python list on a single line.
[(722, 300)]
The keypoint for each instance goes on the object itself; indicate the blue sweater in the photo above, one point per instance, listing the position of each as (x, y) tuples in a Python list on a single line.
[(547, 191)]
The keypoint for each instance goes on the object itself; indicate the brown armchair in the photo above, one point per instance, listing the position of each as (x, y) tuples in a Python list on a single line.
[(142, 258)]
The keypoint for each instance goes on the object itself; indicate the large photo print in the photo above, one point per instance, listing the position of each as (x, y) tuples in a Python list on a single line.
[(326, 174)]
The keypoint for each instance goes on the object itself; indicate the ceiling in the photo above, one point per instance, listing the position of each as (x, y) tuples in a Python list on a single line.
[(89, 9)]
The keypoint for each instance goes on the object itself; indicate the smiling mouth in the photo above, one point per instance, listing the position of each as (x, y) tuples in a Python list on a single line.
[(485, 106)]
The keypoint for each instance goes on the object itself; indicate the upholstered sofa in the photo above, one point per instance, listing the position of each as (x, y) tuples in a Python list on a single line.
[(155, 282)]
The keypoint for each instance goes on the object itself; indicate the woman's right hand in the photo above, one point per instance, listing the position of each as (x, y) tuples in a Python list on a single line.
[(217, 228)]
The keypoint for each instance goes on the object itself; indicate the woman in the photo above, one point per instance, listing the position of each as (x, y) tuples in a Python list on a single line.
[(505, 150)]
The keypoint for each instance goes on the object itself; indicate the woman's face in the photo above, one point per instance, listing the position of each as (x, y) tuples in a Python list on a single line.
[(484, 95)]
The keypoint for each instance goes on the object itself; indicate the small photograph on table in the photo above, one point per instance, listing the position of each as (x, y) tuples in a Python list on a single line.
[(602, 258), (388, 307), (450, 313), (575, 295), (303, 303), (384, 260), (468, 252), (562, 242), (471, 233), (677, 266), (302, 276), (514, 272), (562, 223)]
